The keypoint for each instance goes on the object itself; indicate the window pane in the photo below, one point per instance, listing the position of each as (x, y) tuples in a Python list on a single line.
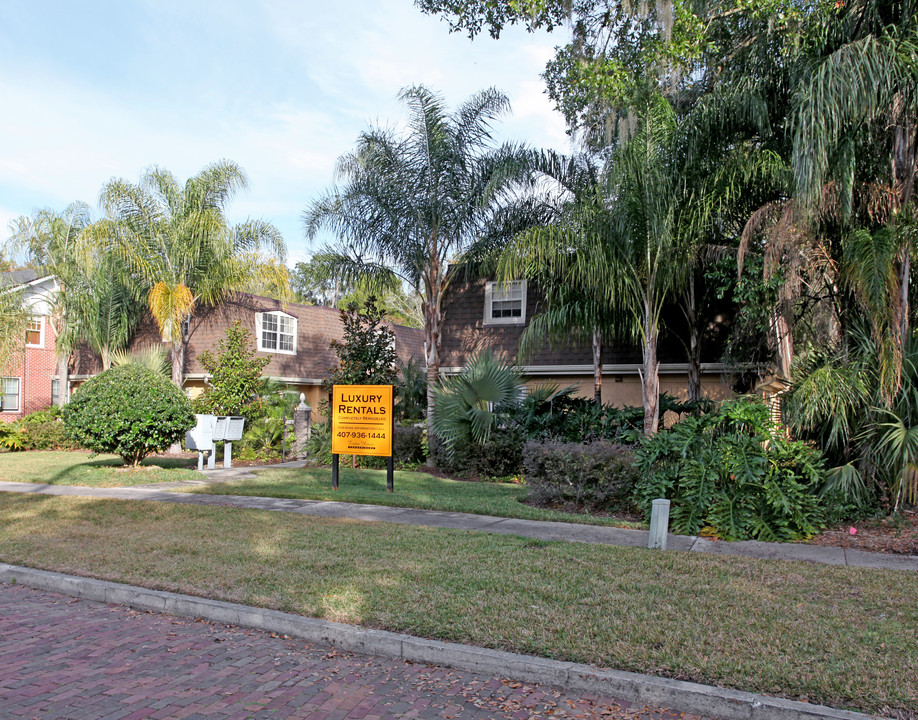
[(286, 333), (269, 332), (507, 300), (508, 291), (10, 394), (33, 332), (507, 308)]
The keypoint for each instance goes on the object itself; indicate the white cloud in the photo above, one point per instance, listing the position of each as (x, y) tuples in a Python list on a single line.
[(283, 89)]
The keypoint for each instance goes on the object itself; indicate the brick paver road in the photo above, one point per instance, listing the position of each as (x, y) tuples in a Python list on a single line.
[(68, 659)]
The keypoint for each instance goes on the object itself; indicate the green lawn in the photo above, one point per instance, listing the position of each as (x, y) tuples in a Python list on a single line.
[(834, 635), (412, 489), (78, 468)]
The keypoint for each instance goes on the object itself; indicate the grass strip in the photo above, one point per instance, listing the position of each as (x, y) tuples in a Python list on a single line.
[(412, 489), (55, 467), (834, 635)]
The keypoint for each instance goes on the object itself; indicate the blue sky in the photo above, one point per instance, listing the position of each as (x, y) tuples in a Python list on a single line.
[(104, 88)]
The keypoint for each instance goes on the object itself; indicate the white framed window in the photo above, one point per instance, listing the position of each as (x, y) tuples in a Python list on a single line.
[(276, 332), (9, 387), (505, 303), (35, 332)]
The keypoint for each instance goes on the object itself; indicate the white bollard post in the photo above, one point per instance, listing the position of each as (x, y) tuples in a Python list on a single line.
[(659, 524)]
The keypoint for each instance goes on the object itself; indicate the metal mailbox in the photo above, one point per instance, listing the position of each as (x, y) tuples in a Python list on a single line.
[(220, 428), (228, 428), (201, 438), (210, 430)]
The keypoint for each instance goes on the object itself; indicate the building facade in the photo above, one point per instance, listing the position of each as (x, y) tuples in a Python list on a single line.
[(29, 382), (297, 338), (481, 313)]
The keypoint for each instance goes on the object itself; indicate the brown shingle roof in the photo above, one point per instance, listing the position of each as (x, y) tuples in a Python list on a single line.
[(316, 328)]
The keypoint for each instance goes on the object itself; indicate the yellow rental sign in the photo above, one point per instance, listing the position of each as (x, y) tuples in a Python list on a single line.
[(362, 420)]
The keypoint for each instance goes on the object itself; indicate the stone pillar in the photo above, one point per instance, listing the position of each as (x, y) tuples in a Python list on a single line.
[(302, 422)]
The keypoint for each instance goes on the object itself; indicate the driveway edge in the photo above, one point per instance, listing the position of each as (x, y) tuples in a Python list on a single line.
[(647, 689)]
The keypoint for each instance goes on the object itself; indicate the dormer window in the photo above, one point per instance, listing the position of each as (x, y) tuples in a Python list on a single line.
[(276, 333), (505, 303), (35, 333)]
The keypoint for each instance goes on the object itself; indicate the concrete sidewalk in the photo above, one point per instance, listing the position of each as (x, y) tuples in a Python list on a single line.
[(542, 530)]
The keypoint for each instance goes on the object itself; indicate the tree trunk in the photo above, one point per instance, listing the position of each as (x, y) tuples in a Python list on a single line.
[(432, 347), (597, 366), (694, 343), (178, 363), (63, 379), (694, 366), (178, 371), (904, 278), (785, 340), (650, 377)]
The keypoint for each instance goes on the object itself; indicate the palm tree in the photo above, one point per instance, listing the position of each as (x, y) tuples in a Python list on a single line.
[(577, 206), (636, 261), (854, 122), (410, 205), (52, 241), (470, 405), (14, 318), (178, 241)]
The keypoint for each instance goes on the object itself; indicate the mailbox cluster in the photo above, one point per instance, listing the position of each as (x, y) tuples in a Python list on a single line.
[(210, 430)]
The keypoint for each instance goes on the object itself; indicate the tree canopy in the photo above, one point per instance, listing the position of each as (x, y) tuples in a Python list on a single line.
[(410, 204)]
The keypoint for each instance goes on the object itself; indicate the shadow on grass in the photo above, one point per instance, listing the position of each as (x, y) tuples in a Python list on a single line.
[(84, 468)]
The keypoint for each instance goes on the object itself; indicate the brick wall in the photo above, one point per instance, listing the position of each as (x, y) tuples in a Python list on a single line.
[(35, 367)]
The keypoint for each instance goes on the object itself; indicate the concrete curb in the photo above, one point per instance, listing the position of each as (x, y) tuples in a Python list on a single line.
[(655, 691)]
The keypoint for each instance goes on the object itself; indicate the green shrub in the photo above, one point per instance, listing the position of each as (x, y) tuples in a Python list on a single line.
[(130, 411), (497, 457), (409, 447), (12, 437), (478, 401), (235, 377), (594, 476), (411, 392), (270, 429), (45, 430), (733, 471), (318, 446), (564, 417)]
